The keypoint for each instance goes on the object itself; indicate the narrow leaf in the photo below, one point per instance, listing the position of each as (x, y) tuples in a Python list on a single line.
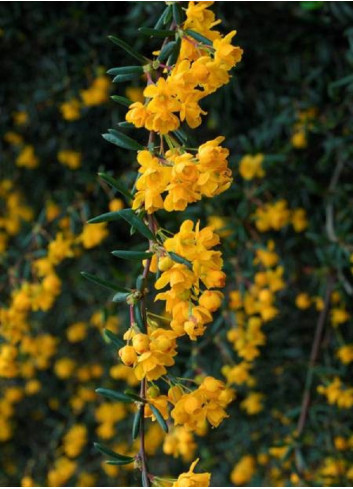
[(116, 396), (120, 187), (138, 318), (125, 70), (136, 222), (121, 100), (129, 216), (173, 58), (159, 417), (198, 37), (120, 297), (120, 462), (132, 255), (134, 396), (127, 48), (121, 140), (103, 283), (116, 456), (136, 424), (124, 78), (180, 259), (166, 50), (163, 19), (147, 31), (177, 13), (112, 338)]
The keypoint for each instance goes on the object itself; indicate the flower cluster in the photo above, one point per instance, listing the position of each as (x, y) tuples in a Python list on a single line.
[(199, 71), (179, 178)]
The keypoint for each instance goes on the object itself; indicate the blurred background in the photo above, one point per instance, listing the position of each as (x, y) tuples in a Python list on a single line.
[(286, 226)]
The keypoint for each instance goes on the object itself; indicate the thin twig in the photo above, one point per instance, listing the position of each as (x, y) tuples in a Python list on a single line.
[(313, 356)]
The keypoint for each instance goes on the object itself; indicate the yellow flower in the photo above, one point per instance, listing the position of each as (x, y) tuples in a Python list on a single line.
[(97, 93), (20, 117), (339, 316), (70, 110), (93, 234), (64, 368), (345, 354), (74, 440), (27, 158), (135, 94), (13, 138), (190, 479), (116, 205), (299, 220), (252, 404), (303, 301), (243, 470), (69, 158), (251, 166)]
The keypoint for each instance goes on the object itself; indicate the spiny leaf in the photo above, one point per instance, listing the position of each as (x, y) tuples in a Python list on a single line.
[(120, 187), (116, 396), (121, 140), (132, 255), (159, 417), (127, 48), (103, 283)]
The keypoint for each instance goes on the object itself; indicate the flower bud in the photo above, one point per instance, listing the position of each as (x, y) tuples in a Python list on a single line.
[(128, 355)]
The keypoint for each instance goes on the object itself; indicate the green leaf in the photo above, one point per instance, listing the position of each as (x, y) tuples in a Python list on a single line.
[(136, 424), (121, 140), (198, 37), (180, 259), (159, 417), (121, 296), (166, 50), (164, 18), (177, 13), (125, 70), (103, 283), (120, 187), (127, 48), (175, 53), (120, 462), (136, 222), (112, 338), (116, 396), (116, 456), (125, 102), (147, 31), (311, 5), (124, 78), (132, 255), (134, 396), (129, 216), (138, 318)]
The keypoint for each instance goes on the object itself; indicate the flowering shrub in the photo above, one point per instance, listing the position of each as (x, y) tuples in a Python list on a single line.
[(213, 347)]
